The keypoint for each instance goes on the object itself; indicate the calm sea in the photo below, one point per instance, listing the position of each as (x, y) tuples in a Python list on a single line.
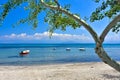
[(44, 53)]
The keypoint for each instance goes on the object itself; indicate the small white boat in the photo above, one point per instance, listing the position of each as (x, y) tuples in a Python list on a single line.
[(81, 49), (25, 52), (68, 49)]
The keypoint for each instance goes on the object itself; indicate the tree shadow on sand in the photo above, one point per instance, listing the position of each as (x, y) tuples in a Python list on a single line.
[(111, 77)]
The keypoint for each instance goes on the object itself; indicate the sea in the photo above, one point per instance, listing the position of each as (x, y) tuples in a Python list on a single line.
[(41, 54)]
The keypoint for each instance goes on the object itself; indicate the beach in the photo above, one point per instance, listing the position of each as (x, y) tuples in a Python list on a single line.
[(71, 71)]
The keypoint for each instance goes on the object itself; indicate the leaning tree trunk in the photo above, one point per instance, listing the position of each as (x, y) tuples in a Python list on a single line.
[(100, 50), (105, 58)]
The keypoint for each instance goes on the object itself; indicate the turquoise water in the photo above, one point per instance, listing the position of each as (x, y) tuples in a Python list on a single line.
[(44, 53)]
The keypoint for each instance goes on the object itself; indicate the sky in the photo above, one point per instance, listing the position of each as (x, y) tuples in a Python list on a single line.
[(25, 33)]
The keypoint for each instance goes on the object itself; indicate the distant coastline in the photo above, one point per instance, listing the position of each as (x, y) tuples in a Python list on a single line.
[(20, 45)]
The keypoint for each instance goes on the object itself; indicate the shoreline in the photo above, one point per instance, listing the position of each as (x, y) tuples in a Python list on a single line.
[(44, 64), (70, 71)]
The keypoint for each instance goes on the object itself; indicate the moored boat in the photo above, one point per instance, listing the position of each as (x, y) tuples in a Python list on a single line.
[(81, 49), (25, 52), (68, 49)]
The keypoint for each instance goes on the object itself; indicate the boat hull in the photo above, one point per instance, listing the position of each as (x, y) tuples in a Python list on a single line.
[(23, 53)]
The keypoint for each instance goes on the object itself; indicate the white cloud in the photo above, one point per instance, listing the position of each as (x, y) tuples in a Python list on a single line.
[(113, 37), (110, 38), (45, 36)]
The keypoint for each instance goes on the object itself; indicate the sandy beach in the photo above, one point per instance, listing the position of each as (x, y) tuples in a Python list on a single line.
[(73, 71)]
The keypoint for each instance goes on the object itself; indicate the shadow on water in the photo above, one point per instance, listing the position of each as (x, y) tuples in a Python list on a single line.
[(17, 56), (111, 77), (14, 61), (14, 56)]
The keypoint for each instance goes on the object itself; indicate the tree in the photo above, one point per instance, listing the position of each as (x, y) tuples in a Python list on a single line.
[(59, 17)]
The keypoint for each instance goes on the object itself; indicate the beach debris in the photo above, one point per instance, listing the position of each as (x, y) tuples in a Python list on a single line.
[(81, 49), (68, 49), (91, 67), (25, 52)]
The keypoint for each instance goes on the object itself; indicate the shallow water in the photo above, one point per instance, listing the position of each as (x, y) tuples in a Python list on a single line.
[(45, 53)]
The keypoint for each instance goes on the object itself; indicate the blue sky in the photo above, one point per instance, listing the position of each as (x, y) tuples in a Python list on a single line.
[(25, 33)]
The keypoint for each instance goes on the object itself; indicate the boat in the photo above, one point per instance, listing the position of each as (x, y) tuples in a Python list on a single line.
[(81, 49), (25, 52), (68, 49)]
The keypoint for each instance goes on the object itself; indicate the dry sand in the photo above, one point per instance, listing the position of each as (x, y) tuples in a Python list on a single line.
[(73, 71)]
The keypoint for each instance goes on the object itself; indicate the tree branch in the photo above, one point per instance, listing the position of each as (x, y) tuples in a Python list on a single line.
[(75, 17), (119, 1), (56, 1), (109, 27)]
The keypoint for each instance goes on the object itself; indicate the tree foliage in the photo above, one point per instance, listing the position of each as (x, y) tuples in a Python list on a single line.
[(108, 8), (56, 19)]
